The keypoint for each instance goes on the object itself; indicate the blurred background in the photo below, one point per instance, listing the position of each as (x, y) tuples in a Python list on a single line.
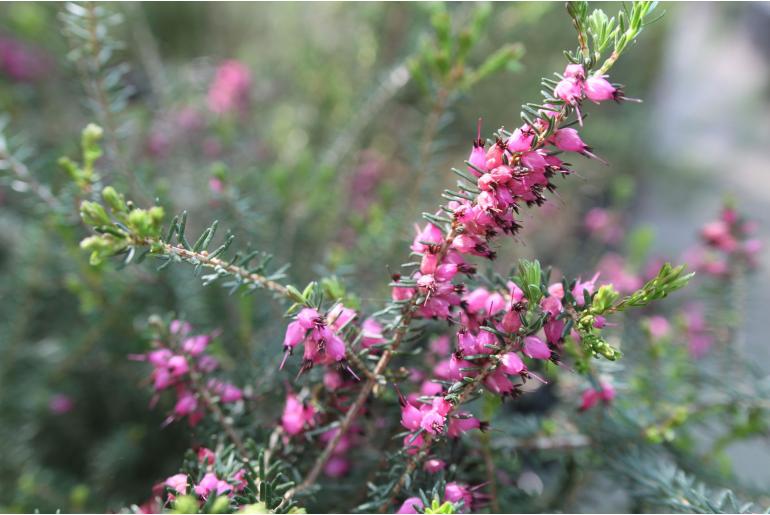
[(343, 126)]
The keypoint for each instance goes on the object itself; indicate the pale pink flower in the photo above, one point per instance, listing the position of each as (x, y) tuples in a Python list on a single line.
[(230, 90), (178, 483)]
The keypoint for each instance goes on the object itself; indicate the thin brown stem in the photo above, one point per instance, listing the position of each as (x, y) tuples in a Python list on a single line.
[(410, 467), (489, 465), (205, 260)]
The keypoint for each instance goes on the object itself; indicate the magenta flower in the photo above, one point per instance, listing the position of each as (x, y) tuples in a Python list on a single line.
[(458, 492), (21, 62), (512, 364), (296, 415), (411, 505), (463, 423), (569, 90), (499, 383), (536, 348), (211, 483), (410, 417), (598, 89), (591, 397)]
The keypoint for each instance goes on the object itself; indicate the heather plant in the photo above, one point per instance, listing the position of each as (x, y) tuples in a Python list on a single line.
[(475, 385)]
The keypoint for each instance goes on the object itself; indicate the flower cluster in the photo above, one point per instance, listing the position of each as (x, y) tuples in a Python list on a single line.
[(210, 483), (727, 244), (180, 363), (576, 86), (320, 336), (591, 396), (458, 494), (516, 168), (495, 343)]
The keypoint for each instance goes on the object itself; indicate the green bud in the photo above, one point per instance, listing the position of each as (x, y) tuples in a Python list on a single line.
[(653, 435), (70, 167), (146, 223), (680, 416), (101, 247), (185, 504), (91, 134), (604, 299), (220, 505), (586, 323), (297, 509), (256, 508), (156, 215), (114, 199), (140, 221), (94, 214)]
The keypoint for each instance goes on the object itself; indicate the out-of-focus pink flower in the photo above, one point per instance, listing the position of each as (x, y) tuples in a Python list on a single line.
[(296, 415), (206, 455), (61, 404), (21, 62), (603, 225), (699, 335), (591, 396), (216, 185), (434, 465), (614, 270), (158, 145), (178, 483), (371, 333), (718, 234), (179, 327), (230, 90), (337, 466), (658, 327)]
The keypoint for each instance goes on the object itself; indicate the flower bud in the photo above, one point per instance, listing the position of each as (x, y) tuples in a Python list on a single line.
[(93, 213), (114, 200)]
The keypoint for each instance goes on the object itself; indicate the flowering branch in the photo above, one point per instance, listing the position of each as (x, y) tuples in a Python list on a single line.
[(497, 326)]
